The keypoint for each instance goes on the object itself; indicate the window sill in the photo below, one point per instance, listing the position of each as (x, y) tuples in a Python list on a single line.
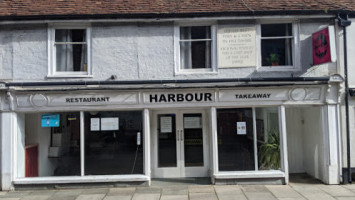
[(250, 174), (278, 68), (187, 72), (69, 76)]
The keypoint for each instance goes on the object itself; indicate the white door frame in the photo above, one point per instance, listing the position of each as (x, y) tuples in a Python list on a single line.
[(180, 170)]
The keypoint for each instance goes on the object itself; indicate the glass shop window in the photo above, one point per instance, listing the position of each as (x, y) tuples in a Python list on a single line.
[(48, 144), (268, 138), (235, 139), (238, 149), (71, 50), (277, 44), (195, 47), (113, 143)]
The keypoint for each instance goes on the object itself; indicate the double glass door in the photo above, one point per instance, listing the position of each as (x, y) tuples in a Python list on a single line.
[(179, 144)]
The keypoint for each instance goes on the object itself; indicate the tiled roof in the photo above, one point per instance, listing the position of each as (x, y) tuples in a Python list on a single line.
[(20, 8)]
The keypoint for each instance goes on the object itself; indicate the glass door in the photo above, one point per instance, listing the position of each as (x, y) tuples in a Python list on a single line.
[(179, 144)]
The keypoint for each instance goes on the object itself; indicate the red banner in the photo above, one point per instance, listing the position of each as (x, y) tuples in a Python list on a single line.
[(321, 47)]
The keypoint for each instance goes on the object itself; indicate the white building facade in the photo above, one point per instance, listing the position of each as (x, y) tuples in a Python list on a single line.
[(124, 101)]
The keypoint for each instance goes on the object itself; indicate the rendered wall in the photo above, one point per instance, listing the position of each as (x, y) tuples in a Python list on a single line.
[(130, 51)]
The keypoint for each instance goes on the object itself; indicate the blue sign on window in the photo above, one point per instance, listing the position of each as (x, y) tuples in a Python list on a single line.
[(50, 120)]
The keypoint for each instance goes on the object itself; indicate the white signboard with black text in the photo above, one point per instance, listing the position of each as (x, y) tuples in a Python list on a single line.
[(236, 46), (109, 124), (241, 128)]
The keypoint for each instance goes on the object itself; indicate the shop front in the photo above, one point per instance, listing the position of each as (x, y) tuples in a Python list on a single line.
[(230, 134)]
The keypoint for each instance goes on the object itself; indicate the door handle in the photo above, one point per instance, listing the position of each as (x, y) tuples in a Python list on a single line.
[(182, 135), (178, 135)]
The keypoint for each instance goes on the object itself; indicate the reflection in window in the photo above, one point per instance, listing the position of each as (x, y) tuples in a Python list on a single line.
[(195, 47), (111, 143), (71, 50), (268, 138), (276, 44), (49, 147), (235, 142)]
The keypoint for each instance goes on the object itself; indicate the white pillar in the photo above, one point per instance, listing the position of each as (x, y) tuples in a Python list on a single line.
[(331, 144), (213, 128), (146, 133), (283, 141), (6, 151)]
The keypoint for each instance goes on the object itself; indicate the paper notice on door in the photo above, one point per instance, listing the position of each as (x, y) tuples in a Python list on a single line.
[(241, 128), (166, 125), (94, 124), (109, 124), (192, 122)]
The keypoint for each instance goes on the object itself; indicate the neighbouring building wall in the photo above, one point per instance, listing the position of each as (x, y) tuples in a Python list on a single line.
[(131, 51), (313, 142), (294, 125), (305, 141)]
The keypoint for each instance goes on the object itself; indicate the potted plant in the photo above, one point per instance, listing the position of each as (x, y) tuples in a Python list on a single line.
[(273, 59), (269, 151)]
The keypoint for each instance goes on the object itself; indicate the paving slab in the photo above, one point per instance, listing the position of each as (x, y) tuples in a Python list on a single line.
[(16, 194), (10, 198), (121, 197), (142, 196), (36, 197), (95, 191), (174, 197), (345, 198), (60, 197), (67, 192), (175, 190), (231, 197), (203, 196), (349, 186), (148, 190), (90, 197), (337, 191), (254, 188), (201, 189), (312, 192), (283, 191), (228, 189), (260, 196), (291, 198), (121, 191)]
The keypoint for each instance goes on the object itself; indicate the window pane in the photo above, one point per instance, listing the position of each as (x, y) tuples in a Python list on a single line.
[(268, 138), (70, 35), (193, 140), (195, 55), (71, 57), (195, 32), (235, 145), (49, 145), (276, 52), (167, 141), (276, 30), (111, 143)]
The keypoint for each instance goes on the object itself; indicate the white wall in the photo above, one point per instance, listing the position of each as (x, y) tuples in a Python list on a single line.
[(130, 51), (313, 153), (294, 140), (305, 141)]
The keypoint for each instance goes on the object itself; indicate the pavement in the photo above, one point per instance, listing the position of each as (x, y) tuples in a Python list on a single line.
[(158, 191)]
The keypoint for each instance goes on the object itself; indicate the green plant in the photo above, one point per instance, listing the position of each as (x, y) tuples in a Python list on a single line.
[(273, 59), (269, 152)]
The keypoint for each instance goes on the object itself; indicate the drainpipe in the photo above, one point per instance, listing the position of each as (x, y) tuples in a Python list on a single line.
[(344, 22)]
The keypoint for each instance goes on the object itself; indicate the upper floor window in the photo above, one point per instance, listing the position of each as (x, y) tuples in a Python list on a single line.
[(195, 48), (69, 52), (277, 44)]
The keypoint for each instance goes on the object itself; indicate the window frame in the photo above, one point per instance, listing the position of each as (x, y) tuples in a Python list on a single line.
[(295, 47), (52, 70), (213, 68)]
